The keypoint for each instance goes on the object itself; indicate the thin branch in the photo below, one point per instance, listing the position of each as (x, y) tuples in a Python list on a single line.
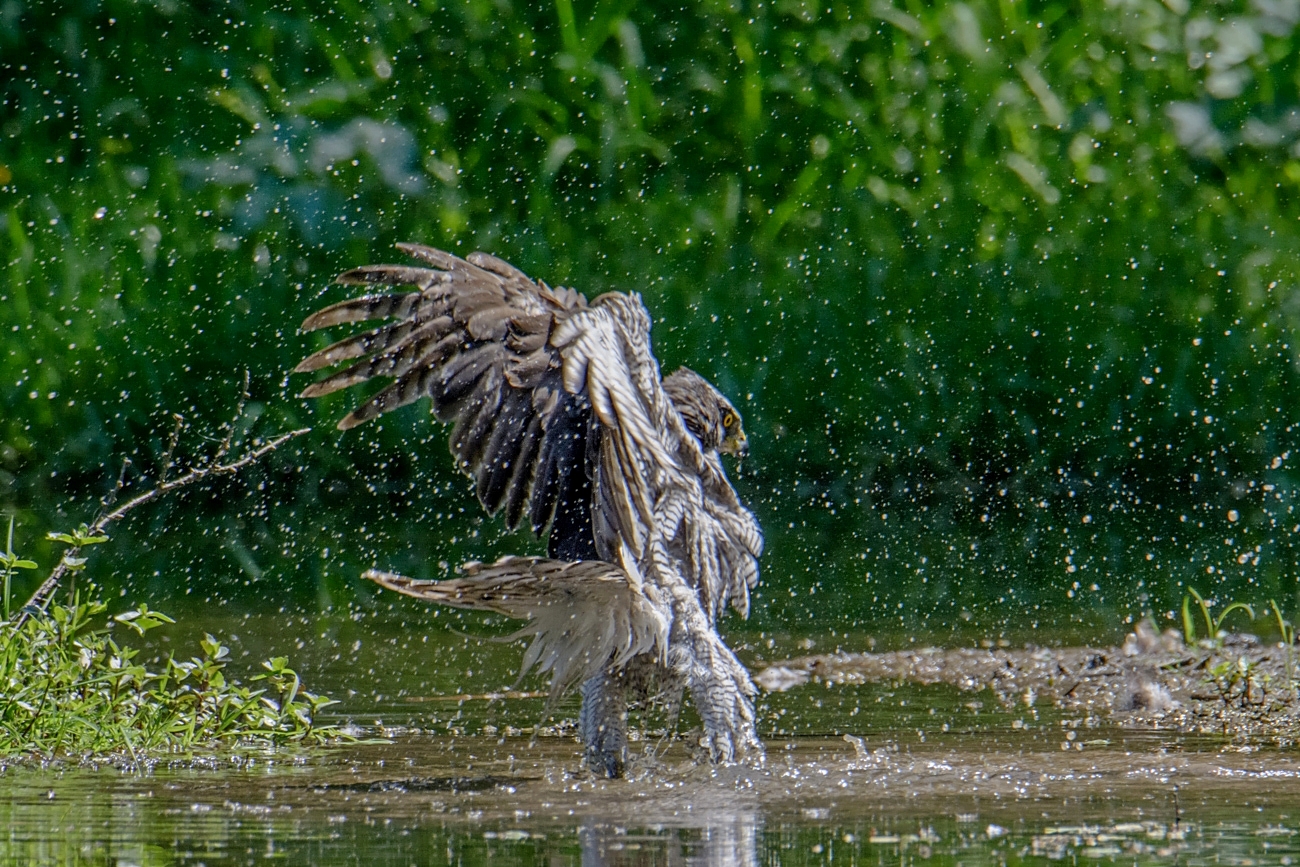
[(230, 428), (70, 561), (111, 500), (171, 446)]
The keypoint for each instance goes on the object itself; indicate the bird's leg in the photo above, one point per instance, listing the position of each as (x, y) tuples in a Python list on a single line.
[(669, 688), (603, 723), (720, 686)]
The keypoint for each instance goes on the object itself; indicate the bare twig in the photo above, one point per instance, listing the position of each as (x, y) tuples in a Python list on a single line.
[(70, 561), (171, 446), (111, 499), (230, 428)]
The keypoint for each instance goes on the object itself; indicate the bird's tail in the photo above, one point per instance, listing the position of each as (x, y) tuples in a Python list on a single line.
[(584, 616)]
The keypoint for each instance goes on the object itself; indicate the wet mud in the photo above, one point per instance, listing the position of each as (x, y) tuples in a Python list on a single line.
[(1237, 687)]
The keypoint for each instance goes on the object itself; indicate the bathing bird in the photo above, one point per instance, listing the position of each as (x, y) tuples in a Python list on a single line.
[(560, 415)]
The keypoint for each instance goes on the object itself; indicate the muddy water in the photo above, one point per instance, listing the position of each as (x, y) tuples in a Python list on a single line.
[(856, 773), (970, 798)]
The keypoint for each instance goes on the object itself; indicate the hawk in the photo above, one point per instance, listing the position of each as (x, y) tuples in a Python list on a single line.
[(560, 415)]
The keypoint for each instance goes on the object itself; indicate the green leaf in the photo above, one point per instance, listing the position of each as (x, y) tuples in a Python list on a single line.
[(1189, 625), (78, 537), (142, 619), (1235, 606)]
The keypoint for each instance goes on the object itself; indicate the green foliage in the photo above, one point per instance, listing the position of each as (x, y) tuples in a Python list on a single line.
[(11, 563), (1240, 681), (78, 537), (984, 268), (75, 541), (68, 688)]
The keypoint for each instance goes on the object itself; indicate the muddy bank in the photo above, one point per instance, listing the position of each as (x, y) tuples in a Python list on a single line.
[(1238, 687)]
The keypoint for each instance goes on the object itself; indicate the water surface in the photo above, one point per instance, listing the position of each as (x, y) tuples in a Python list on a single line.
[(963, 797), (464, 773)]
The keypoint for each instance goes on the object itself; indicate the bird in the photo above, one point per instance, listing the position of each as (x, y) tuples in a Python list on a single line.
[(562, 418)]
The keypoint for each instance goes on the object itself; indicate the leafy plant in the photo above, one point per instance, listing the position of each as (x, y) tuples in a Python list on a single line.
[(1239, 683), (11, 562), (68, 687)]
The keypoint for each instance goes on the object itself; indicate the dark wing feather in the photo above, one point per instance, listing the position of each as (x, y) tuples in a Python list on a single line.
[(474, 336), (497, 464), (521, 483), (363, 309)]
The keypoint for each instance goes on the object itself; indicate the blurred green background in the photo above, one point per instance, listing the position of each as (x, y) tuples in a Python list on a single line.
[(1006, 290)]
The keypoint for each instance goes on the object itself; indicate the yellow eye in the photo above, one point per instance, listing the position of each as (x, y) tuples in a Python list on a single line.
[(729, 420)]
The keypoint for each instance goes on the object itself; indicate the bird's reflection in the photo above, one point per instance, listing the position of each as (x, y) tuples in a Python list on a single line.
[(717, 839)]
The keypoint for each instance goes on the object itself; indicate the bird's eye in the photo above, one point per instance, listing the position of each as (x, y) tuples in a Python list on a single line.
[(729, 420)]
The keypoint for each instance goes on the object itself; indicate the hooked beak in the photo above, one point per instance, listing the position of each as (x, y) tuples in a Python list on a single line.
[(737, 444)]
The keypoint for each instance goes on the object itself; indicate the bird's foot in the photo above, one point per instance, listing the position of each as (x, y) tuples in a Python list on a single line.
[(721, 690), (734, 739), (608, 763)]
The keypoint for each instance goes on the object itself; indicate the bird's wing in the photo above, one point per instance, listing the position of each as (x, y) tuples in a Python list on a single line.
[(654, 484), (668, 506), (583, 615), (474, 336)]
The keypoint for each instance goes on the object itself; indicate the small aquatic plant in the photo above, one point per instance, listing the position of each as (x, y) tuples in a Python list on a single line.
[(1213, 625), (1239, 682)]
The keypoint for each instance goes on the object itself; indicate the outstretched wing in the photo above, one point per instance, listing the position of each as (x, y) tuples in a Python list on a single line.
[(656, 489), (583, 615), (474, 336), (549, 397)]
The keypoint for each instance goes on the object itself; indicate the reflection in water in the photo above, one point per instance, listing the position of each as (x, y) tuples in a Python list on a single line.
[(985, 799), (716, 839)]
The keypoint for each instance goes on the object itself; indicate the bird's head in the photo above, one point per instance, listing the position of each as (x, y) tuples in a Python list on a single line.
[(706, 413)]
